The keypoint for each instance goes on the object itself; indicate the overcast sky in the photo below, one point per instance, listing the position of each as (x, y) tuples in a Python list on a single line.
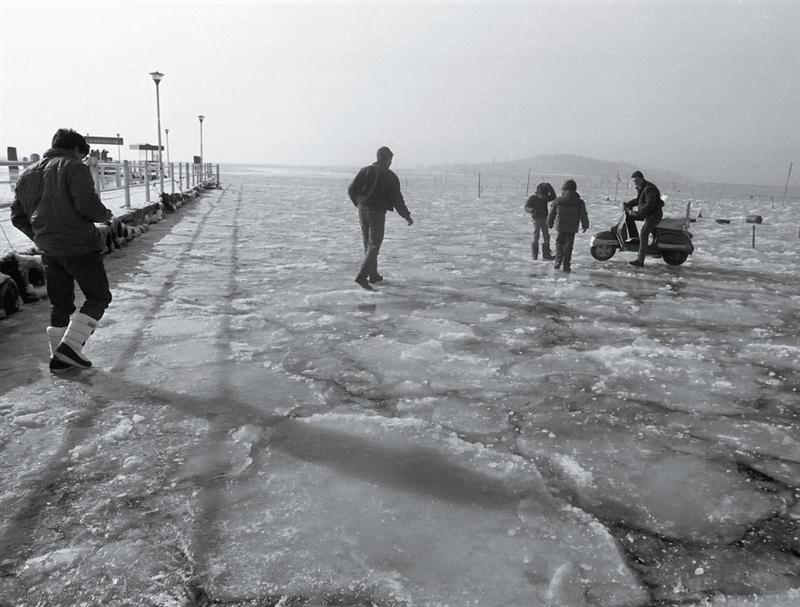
[(707, 89)]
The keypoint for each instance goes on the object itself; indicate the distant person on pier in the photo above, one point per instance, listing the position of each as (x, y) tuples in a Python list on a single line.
[(536, 205), (567, 212), (648, 199), (375, 190), (56, 206)]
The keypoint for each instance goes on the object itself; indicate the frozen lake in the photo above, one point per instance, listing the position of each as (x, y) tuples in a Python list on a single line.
[(479, 430)]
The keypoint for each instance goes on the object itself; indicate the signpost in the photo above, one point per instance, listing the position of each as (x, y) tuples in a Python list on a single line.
[(104, 140)]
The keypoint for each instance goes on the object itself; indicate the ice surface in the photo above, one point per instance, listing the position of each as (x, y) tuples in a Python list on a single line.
[(480, 429)]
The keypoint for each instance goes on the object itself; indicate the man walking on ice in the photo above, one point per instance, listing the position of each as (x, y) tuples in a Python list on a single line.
[(375, 190), (56, 206)]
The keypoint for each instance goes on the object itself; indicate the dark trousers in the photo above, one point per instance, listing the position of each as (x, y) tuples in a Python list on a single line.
[(564, 243), (540, 227), (373, 223), (649, 223), (61, 274)]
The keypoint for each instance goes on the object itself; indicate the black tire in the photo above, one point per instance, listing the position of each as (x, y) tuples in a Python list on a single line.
[(603, 252), (31, 279), (9, 295), (675, 258)]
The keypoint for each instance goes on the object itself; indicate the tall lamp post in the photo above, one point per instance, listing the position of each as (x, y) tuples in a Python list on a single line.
[(201, 117), (119, 154), (157, 76)]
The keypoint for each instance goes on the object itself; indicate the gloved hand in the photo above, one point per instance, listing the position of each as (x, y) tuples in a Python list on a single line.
[(410, 221)]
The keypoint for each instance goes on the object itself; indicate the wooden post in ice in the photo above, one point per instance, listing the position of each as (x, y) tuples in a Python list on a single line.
[(479, 185), (754, 236), (528, 186), (786, 187)]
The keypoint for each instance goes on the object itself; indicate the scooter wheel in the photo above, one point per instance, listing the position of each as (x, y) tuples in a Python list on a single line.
[(675, 258), (603, 252)]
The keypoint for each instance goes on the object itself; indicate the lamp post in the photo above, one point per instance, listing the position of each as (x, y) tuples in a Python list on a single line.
[(201, 117), (119, 154), (157, 76)]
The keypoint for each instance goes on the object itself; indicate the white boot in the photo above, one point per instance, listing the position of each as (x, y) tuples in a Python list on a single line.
[(70, 350), (54, 335)]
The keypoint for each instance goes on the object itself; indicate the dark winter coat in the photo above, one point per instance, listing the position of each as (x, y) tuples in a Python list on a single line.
[(56, 205), (377, 186), (567, 212), (648, 200), (537, 206)]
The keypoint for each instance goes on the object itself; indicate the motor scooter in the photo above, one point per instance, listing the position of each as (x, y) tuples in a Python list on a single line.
[(671, 240)]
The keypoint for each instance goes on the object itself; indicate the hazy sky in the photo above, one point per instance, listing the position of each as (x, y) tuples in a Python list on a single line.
[(707, 89)]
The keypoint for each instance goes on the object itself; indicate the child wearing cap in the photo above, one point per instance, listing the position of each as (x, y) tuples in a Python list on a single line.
[(567, 212), (536, 205)]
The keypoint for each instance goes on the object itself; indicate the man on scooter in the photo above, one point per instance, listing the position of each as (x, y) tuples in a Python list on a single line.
[(649, 201)]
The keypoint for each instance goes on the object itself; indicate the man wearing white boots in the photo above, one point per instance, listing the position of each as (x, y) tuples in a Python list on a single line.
[(56, 206)]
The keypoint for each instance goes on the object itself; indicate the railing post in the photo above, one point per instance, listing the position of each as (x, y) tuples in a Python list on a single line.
[(117, 174), (146, 181), (217, 175), (180, 176), (171, 177), (127, 175)]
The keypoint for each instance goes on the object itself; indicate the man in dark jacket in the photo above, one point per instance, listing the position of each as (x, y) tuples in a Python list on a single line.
[(536, 205), (650, 205), (566, 213), (56, 206), (375, 190)]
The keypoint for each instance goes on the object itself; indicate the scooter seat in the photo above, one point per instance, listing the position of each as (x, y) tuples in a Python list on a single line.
[(670, 223)]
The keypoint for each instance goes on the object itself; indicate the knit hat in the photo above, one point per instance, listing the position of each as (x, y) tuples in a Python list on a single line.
[(384, 153), (68, 139), (636, 174), (545, 190), (569, 185)]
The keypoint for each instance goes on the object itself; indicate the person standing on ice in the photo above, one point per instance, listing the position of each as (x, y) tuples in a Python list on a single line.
[(566, 213), (56, 206), (648, 199), (375, 190), (536, 205)]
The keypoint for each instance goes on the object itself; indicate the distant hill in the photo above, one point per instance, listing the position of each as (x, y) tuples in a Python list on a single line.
[(567, 165)]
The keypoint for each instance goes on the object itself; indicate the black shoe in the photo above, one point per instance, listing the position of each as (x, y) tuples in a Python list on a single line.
[(557, 266), (567, 268), (67, 355), (58, 365), (547, 256), (637, 263), (376, 278), (363, 283)]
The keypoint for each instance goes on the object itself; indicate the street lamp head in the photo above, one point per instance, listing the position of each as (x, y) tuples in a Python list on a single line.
[(157, 76), (201, 117)]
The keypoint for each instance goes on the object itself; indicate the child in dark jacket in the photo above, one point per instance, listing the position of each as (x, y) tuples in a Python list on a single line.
[(536, 205), (566, 213)]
